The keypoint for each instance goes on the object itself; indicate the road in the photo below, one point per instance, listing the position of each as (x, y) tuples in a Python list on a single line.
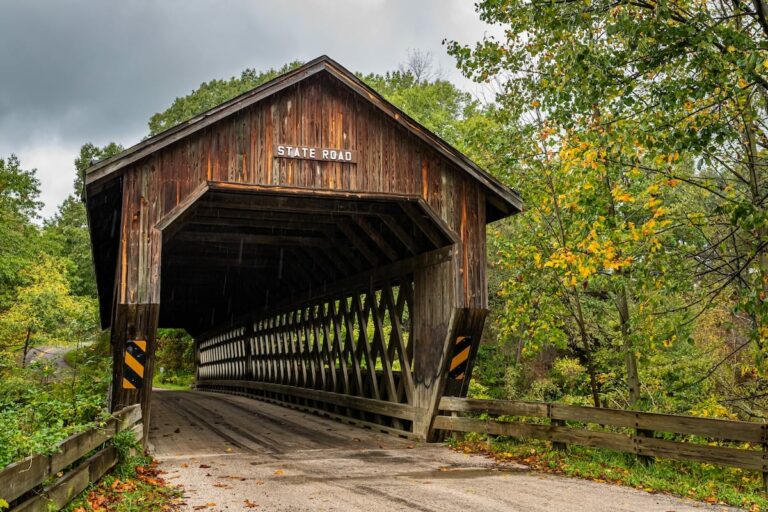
[(234, 453), (51, 353)]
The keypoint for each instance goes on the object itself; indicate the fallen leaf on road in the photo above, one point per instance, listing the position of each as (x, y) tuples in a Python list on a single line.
[(204, 466), (279, 472), (185, 465), (223, 486), (410, 447), (250, 504)]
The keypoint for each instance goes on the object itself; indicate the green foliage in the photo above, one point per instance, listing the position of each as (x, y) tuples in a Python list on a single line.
[(45, 300), (439, 105), (636, 135), (89, 155), (175, 365), (66, 236), (39, 408), (211, 94), (703, 482), (45, 311), (19, 205)]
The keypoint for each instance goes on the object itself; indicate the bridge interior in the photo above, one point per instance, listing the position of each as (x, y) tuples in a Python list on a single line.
[(240, 251)]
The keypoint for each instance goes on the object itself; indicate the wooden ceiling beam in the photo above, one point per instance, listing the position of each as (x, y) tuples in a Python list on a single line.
[(359, 244), (378, 240), (273, 240), (397, 229), (424, 224)]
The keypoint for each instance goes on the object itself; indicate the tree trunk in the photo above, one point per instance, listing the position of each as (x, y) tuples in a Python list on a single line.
[(630, 359), (26, 348)]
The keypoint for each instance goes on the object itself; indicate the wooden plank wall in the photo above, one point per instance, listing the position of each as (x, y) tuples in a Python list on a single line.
[(317, 112)]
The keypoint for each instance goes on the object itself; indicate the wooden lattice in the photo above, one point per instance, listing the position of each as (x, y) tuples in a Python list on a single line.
[(349, 355)]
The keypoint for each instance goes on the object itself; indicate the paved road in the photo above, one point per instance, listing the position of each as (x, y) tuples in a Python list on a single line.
[(53, 354), (233, 453)]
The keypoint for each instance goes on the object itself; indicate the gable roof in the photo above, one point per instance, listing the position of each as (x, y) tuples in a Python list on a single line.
[(506, 200)]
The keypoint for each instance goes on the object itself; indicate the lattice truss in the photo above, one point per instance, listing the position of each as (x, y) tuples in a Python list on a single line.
[(356, 344)]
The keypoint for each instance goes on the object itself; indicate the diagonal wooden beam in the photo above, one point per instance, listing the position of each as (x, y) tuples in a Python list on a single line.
[(378, 240)]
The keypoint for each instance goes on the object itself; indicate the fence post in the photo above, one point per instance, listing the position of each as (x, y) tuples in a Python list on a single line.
[(557, 445), (764, 444), (641, 432)]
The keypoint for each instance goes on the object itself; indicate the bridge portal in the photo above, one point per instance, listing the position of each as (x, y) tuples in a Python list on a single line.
[(325, 251)]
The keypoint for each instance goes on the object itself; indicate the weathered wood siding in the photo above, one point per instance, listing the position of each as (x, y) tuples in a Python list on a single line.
[(317, 112)]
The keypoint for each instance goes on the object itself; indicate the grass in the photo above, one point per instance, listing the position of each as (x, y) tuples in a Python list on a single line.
[(173, 381), (74, 357), (702, 482)]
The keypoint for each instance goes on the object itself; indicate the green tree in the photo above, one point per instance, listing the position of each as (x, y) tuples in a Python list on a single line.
[(66, 233), (44, 310), (19, 208), (637, 128), (211, 94)]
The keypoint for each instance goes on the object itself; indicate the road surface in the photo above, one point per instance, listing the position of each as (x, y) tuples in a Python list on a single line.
[(234, 453), (51, 353)]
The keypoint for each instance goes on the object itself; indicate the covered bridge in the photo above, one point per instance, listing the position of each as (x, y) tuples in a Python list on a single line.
[(324, 250)]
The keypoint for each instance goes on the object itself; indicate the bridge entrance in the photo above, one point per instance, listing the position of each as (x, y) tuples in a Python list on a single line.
[(325, 251)]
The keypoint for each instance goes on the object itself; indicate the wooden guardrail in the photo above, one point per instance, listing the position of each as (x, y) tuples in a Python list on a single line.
[(643, 438), (27, 484)]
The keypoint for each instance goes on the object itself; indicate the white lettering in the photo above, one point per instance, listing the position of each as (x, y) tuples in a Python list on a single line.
[(310, 153)]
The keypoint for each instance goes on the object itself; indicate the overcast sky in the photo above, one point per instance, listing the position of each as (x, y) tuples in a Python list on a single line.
[(94, 70)]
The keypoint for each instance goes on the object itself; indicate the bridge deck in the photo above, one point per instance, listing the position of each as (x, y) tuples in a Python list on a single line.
[(234, 451)]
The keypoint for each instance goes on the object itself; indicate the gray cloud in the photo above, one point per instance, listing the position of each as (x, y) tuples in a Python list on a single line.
[(95, 70)]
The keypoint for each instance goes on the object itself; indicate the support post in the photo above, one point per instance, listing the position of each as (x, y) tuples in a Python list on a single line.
[(434, 305), (134, 322)]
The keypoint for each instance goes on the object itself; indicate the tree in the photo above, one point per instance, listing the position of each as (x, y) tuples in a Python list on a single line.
[(44, 311), (420, 65), (66, 233), (211, 94), (19, 207), (647, 118)]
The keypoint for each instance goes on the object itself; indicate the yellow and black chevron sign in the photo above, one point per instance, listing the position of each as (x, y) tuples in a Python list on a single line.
[(133, 364), (461, 349)]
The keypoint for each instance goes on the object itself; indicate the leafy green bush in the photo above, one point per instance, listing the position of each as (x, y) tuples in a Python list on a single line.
[(38, 409)]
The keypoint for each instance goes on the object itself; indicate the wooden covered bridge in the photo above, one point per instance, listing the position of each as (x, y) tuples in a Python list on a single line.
[(325, 251)]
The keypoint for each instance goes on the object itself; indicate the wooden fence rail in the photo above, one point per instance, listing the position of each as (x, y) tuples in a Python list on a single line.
[(643, 439), (26, 484)]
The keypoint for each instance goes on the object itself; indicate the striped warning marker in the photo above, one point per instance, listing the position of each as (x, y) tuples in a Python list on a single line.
[(133, 364), (461, 349)]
